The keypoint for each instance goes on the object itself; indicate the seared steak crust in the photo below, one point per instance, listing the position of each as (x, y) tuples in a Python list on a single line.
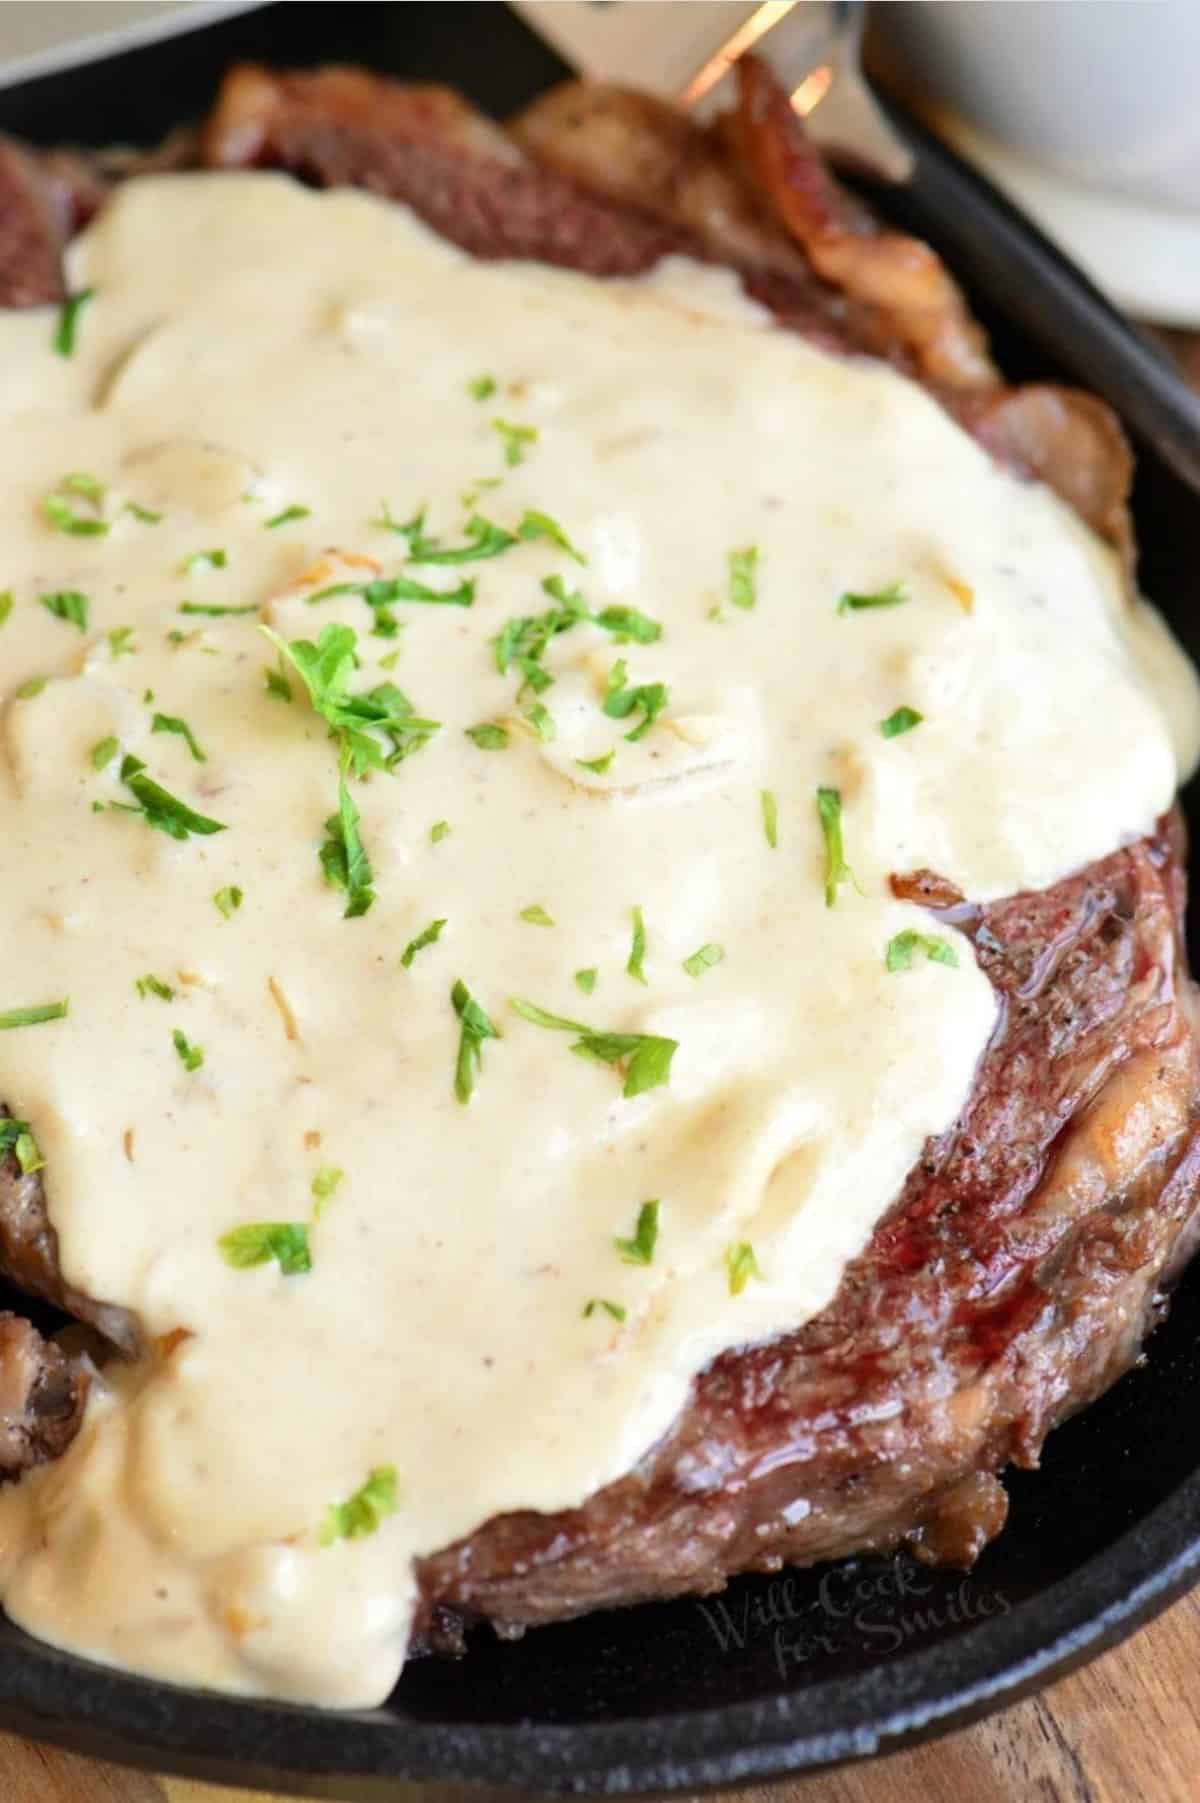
[(1012, 1282), (1018, 1272)]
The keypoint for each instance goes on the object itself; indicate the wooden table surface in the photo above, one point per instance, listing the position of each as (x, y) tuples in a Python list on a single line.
[(1125, 1729)]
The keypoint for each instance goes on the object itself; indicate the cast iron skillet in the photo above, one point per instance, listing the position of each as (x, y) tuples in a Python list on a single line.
[(781, 1674)]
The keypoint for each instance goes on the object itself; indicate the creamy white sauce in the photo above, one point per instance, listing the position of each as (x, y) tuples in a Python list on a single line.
[(252, 347)]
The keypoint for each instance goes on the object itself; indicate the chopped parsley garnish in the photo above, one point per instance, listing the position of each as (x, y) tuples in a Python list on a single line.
[(540, 525), (17, 1137), (160, 809), (628, 623), (586, 979), (154, 986), (903, 948), (227, 901), (523, 639), (742, 1265), (66, 330), (190, 1056), (481, 388), (743, 577), (260, 1241), (146, 515), (103, 752), (837, 871), (640, 1249), (278, 684), (903, 720), (703, 960), (218, 613), (33, 687), (645, 1058), (383, 591), (541, 720), (120, 642), (429, 936), (620, 701), (69, 605), (610, 1308), (36, 1016), (598, 766), (537, 916), (285, 518), (65, 517), (6, 605), (476, 1027), (172, 724), (515, 440), (376, 730), (440, 830), (637, 950), (894, 596), (213, 560), (484, 539), (364, 1511), (770, 817), (325, 1186), (343, 856), (488, 735)]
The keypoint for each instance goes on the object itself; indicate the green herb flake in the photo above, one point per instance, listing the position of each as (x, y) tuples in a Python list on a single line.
[(343, 857), (536, 525), (218, 613), (154, 986), (68, 605), (67, 329), (376, 730), (161, 810), (903, 720), (743, 577), (837, 871), (620, 700), (484, 539), (488, 735), (586, 979), (476, 1027), (515, 439), (277, 684), (741, 1265), (703, 960), (903, 948), (171, 723), (441, 829), (598, 766), (362, 1514), (541, 720), (190, 1056), (6, 605), (103, 752), (628, 623), (228, 901), (640, 1249), (481, 388), (325, 1186), (199, 560), (35, 685), (894, 596), (645, 1058), (36, 1016), (146, 515), (536, 916), (65, 517), (770, 817), (429, 936), (120, 642), (286, 517), (610, 1308), (16, 1137), (637, 950), (261, 1241)]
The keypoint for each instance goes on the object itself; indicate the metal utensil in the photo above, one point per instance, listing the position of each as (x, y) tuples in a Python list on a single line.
[(993, 246)]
